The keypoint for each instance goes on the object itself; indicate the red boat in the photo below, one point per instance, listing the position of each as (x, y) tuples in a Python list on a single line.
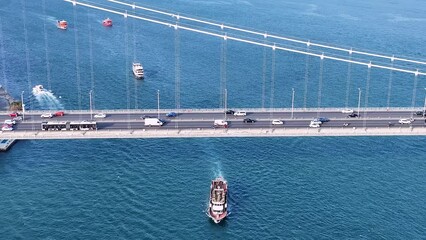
[(107, 22), (218, 205), (62, 24)]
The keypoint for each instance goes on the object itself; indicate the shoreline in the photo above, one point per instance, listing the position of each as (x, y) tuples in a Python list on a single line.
[(6, 100)]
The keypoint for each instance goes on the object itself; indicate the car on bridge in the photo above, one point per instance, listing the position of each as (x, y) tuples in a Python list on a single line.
[(421, 113), (146, 116), (249, 120), (322, 119), (171, 114), (277, 122), (314, 124), (46, 115), (18, 118), (406, 120), (59, 114), (14, 114), (230, 112), (353, 115), (100, 115), (347, 111), (9, 122), (6, 127), (220, 123), (240, 113)]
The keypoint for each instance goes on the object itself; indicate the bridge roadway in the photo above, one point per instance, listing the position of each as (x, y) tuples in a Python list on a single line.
[(192, 123)]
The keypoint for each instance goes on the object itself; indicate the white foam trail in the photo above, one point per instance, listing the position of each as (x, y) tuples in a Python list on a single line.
[(218, 170), (47, 100)]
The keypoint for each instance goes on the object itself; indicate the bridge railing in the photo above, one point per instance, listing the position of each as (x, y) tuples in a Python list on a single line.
[(218, 110)]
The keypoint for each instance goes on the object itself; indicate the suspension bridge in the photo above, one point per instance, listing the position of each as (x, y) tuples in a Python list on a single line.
[(360, 120)]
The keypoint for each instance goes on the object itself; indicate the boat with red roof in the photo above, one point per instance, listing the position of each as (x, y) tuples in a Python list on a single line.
[(107, 22), (62, 24), (218, 205)]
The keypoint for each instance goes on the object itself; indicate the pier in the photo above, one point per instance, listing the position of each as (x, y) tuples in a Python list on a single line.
[(5, 144)]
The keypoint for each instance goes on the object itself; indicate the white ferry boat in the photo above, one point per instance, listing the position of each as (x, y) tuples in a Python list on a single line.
[(138, 70), (218, 205)]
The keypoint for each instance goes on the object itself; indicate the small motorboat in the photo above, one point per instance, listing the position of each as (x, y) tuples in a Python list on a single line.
[(38, 89), (107, 22), (62, 24)]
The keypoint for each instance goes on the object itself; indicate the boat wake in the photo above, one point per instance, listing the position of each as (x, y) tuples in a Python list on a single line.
[(217, 171), (46, 99)]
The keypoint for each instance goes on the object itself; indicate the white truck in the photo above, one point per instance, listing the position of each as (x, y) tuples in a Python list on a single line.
[(154, 122)]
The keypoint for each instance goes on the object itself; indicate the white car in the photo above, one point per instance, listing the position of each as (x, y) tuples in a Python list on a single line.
[(240, 113), (316, 122), (348, 111), (406, 120), (46, 115), (100, 115), (6, 128), (9, 122), (18, 118), (314, 125), (277, 122)]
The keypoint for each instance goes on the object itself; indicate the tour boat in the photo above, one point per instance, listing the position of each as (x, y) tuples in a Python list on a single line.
[(62, 24), (138, 70), (107, 22), (218, 205)]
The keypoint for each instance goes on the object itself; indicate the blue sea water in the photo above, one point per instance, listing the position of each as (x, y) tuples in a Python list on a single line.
[(288, 188)]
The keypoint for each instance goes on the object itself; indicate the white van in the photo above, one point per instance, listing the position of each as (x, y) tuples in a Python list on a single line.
[(220, 123), (155, 122), (240, 113)]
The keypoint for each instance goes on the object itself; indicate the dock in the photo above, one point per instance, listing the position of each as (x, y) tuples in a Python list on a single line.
[(5, 144)]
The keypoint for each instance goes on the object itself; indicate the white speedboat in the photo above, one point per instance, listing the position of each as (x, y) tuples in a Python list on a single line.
[(138, 70), (38, 89)]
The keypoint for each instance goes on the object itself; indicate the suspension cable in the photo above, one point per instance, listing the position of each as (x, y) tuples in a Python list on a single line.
[(92, 72), (253, 42), (413, 100), (126, 54), (348, 82), (177, 72), (46, 46), (390, 87), (264, 77), (320, 86), (3, 56), (271, 101), (367, 88), (77, 59), (307, 60), (266, 35)]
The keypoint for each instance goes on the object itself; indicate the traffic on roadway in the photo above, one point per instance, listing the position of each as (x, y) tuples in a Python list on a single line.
[(345, 118)]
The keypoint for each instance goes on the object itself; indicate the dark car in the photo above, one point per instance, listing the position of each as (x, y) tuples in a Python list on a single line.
[(352, 115), (230, 112), (322, 119), (249, 120), (421, 113), (146, 116), (171, 114)]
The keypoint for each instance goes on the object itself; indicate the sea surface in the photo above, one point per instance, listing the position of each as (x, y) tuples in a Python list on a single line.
[(280, 188)]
